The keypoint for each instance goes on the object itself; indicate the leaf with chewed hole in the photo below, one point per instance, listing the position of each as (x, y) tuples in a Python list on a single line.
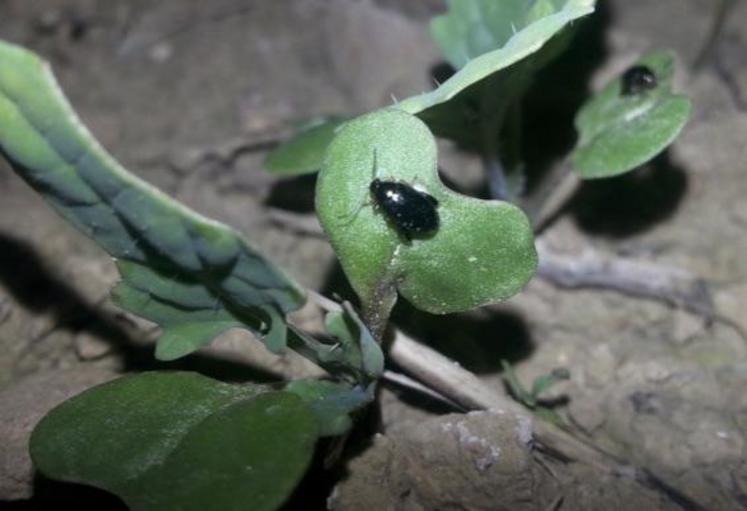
[(620, 131), (482, 251)]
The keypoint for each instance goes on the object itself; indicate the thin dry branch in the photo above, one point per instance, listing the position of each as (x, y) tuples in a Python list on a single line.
[(639, 279)]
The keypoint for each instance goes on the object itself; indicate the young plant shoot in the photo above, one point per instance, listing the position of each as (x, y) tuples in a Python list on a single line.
[(178, 440)]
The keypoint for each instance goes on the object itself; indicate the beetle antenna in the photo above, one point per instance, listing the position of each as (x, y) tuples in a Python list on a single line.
[(375, 167)]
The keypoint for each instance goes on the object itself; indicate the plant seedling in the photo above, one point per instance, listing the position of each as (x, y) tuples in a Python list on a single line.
[(532, 397), (183, 441)]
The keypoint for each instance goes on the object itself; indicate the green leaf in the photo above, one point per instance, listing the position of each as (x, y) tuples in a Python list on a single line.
[(483, 251), (332, 402), (180, 441), (474, 27), (476, 117), (359, 348), (349, 351), (619, 132), (546, 381), (189, 314), (465, 37), (519, 392), (304, 153), (171, 258)]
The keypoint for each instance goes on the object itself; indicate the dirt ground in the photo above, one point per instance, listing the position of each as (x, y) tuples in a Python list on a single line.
[(190, 95)]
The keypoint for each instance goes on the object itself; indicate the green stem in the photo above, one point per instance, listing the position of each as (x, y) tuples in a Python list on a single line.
[(552, 196), (500, 131), (378, 309), (493, 116)]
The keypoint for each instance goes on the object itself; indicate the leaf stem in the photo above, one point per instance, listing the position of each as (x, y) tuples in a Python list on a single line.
[(496, 177), (552, 196), (492, 119), (500, 133), (378, 309)]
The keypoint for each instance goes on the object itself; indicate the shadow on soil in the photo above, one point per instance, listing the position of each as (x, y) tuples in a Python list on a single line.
[(631, 203), (53, 495), (558, 91), (293, 194), (24, 275), (477, 340)]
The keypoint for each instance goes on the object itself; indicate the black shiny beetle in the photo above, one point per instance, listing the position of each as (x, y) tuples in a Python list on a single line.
[(638, 79), (412, 212)]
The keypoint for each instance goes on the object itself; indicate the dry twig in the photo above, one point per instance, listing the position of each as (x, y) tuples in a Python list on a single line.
[(639, 279)]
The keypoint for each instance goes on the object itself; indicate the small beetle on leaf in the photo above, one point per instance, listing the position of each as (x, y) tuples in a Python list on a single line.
[(637, 80), (412, 212)]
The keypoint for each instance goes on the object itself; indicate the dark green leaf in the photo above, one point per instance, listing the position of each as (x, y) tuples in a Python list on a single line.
[(304, 153), (180, 441), (482, 252), (192, 269), (619, 132)]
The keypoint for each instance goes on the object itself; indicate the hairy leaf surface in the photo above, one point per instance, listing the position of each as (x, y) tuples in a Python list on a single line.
[(171, 440), (482, 252)]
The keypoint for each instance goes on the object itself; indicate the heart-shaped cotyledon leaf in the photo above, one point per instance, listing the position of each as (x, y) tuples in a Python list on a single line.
[(480, 252), (632, 120)]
